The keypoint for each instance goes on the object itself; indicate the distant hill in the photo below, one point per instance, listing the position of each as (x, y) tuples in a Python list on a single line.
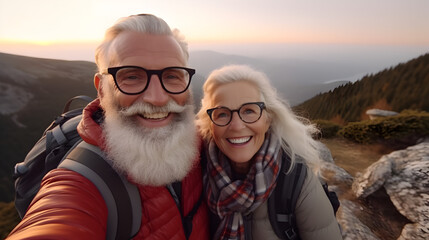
[(32, 92), (405, 86)]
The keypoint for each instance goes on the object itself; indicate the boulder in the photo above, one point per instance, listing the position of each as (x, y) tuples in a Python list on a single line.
[(405, 176), (351, 227), (377, 113), (324, 153), (330, 170)]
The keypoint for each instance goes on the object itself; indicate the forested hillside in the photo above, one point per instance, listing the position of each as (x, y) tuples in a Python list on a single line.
[(405, 86)]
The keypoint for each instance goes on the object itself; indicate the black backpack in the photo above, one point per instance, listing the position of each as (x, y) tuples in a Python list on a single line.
[(61, 147), (282, 202)]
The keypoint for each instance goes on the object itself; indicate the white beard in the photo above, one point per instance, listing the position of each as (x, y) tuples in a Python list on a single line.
[(150, 156)]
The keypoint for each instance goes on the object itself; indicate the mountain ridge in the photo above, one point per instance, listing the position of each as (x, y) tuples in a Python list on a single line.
[(404, 86), (34, 90)]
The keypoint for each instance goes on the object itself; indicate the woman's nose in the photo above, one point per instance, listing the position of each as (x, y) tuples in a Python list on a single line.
[(236, 122)]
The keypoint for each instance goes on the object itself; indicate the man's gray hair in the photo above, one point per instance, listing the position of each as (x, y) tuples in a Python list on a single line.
[(144, 23)]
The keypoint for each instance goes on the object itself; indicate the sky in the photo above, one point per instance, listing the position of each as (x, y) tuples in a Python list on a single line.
[(65, 29)]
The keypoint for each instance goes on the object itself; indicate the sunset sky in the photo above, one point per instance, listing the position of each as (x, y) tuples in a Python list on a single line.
[(55, 28)]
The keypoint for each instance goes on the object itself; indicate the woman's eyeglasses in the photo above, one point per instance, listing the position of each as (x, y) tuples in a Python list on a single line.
[(248, 113)]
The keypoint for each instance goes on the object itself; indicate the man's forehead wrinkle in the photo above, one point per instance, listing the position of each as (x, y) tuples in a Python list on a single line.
[(130, 45)]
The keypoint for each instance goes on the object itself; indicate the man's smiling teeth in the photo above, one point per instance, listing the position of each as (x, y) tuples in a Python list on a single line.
[(155, 115), (239, 140)]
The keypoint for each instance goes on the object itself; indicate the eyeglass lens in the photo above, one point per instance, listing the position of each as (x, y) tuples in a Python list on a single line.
[(248, 113), (135, 80)]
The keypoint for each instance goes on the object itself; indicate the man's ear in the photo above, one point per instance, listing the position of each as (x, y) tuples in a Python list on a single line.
[(97, 84)]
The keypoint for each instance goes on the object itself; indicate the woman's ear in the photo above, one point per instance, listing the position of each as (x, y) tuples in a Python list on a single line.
[(97, 84)]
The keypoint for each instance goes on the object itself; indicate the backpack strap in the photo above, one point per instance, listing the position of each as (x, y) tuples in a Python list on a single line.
[(62, 133), (80, 97), (121, 197), (281, 204), (332, 196), (175, 190)]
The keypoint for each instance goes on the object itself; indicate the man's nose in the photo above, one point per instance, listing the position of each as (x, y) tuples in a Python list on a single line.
[(155, 94)]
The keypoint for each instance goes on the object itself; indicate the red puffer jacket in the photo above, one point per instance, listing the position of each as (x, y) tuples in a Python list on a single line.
[(69, 206)]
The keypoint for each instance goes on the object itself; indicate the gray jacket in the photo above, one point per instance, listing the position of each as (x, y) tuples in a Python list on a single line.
[(314, 215)]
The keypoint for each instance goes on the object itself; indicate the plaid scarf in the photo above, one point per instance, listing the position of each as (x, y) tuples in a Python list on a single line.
[(231, 200)]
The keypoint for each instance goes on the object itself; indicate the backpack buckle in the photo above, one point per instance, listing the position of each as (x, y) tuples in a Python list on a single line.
[(20, 169), (290, 233)]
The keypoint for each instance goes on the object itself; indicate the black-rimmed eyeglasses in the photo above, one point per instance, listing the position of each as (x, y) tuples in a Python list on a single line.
[(133, 80), (248, 113)]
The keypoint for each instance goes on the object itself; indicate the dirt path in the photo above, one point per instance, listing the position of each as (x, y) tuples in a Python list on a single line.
[(354, 157)]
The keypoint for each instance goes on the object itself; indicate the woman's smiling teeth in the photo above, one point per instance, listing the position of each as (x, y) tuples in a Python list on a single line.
[(160, 115), (238, 140)]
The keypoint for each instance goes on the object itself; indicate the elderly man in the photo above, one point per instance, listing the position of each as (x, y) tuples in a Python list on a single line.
[(143, 122)]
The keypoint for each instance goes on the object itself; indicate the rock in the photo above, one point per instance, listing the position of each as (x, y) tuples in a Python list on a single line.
[(330, 170), (325, 153), (337, 175), (377, 113), (405, 176), (352, 228), (414, 231), (373, 178)]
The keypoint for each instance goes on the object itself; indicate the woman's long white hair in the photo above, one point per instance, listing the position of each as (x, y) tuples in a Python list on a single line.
[(294, 132)]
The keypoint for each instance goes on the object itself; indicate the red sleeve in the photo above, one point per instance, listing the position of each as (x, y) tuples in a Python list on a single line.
[(68, 206)]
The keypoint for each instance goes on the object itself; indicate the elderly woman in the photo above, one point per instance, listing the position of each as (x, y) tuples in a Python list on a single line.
[(250, 133)]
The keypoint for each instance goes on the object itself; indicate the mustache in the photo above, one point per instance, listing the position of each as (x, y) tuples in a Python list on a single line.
[(142, 107)]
